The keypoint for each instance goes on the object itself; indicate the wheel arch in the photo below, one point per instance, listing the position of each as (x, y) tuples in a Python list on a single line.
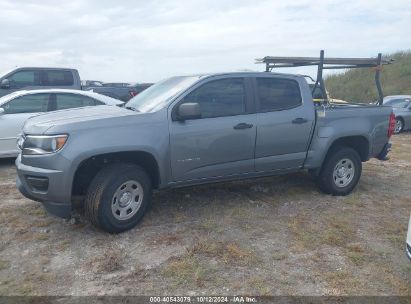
[(358, 143), (90, 166)]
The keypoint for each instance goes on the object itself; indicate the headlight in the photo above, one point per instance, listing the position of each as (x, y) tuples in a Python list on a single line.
[(42, 144)]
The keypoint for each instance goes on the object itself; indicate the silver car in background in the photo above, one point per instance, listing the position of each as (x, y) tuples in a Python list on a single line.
[(401, 105), (17, 107)]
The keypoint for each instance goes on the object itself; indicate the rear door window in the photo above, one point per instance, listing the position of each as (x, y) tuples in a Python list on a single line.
[(68, 101), (32, 103), (58, 78), (24, 78), (276, 94)]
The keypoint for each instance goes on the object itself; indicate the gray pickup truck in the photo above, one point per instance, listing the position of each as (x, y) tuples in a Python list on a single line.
[(193, 130), (31, 78)]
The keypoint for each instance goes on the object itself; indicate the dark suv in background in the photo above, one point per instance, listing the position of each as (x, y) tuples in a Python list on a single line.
[(120, 91)]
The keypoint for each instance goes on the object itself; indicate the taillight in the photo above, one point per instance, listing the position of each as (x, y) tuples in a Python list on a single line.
[(133, 93), (391, 126)]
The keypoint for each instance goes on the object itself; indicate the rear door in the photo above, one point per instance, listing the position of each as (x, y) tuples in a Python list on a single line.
[(222, 141), (16, 112), (284, 123)]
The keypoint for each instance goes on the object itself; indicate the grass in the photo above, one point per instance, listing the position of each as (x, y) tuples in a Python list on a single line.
[(204, 258), (358, 84), (259, 285), (4, 264), (166, 239), (110, 261), (358, 259), (187, 271), (332, 230), (230, 253), (341, 282), (278, 256)]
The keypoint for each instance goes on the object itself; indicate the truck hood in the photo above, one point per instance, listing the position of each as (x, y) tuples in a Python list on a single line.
[(41, 123)]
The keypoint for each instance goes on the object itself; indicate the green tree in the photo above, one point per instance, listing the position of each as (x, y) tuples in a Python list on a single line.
[(358, 85)]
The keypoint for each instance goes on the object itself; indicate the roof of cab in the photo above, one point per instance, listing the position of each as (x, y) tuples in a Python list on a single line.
[(246, 74)]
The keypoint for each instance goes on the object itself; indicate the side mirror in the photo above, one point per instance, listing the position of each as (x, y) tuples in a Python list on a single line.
[(5, 84), (188, 110), (1, 111)]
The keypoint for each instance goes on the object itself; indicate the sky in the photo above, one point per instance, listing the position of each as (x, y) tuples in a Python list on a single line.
[(146, 41)]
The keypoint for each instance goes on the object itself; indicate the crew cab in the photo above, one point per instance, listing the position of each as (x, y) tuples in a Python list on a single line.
[(190, 130)]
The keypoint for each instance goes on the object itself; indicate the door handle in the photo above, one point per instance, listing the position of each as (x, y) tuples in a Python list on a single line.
[(242, 125), (299, 120)]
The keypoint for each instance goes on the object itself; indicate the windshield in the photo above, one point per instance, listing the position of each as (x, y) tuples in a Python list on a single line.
[(398, 103), (159, 94)]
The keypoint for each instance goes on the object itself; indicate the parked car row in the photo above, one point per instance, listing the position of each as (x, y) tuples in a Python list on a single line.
[(30, 78), (30, 91)]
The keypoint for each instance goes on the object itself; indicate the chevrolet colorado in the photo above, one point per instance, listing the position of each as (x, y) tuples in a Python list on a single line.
[(193, 130)]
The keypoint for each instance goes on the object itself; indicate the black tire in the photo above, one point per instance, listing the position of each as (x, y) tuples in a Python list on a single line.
[(398, 120), (99, 198), (326, 180)]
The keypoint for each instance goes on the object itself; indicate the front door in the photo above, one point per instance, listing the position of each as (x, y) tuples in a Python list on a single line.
[(221, 142)]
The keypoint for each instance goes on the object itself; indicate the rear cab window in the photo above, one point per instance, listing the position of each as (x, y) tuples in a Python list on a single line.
[(58, 78), (275, 94)]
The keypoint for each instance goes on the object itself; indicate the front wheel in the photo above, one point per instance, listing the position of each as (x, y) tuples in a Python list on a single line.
[(118, 197), (341, 171), (399, 125)]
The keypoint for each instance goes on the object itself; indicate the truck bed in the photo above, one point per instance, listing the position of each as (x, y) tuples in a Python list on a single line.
[(363, 121)]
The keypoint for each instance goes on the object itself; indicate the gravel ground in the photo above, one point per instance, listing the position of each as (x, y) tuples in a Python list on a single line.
[(271, 236)]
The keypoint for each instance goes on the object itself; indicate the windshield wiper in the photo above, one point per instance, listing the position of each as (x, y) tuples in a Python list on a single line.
[(132, 108)]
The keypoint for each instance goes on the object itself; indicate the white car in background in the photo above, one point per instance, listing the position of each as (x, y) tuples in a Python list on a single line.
[(17, 107), (408, 243)]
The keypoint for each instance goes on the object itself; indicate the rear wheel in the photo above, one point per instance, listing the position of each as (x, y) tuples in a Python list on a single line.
[(118, 197), (341, 171), (399, 125)]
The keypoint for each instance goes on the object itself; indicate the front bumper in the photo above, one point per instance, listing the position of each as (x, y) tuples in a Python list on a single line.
[(53, 194)]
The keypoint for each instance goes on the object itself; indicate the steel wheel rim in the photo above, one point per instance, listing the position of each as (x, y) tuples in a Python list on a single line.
[(344, 172), (398, 126), (127, 200)]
